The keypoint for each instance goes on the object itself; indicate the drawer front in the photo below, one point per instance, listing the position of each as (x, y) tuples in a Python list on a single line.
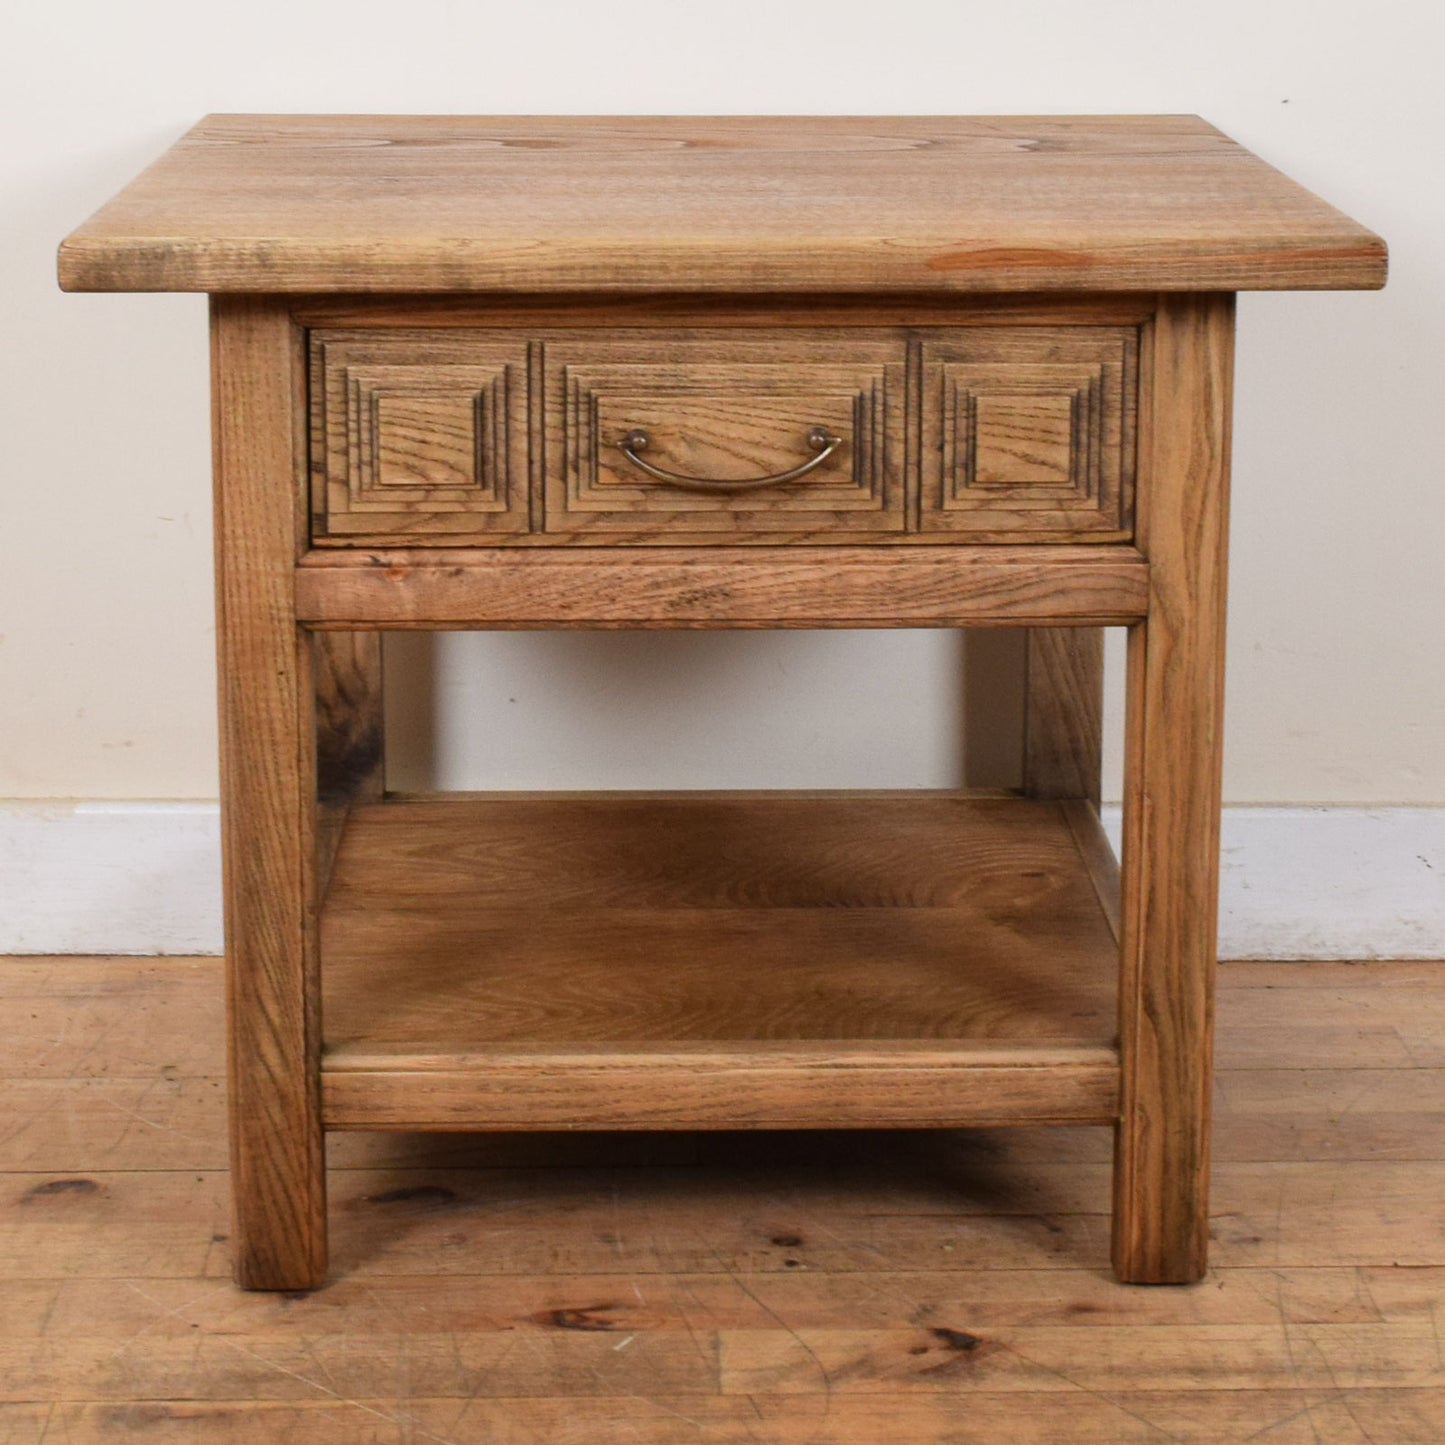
[(617, 435), (1029, 430), (666, 435), (418, 435)]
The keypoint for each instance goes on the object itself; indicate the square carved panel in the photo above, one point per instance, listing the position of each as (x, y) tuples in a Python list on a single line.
[(418, 435), (1029, 430), (1022, 438), (422, 440)]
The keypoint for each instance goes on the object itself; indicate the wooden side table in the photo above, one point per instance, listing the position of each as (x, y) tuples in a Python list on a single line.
[(682, 373)]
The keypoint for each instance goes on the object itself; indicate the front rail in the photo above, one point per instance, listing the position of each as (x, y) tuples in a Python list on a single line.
[(792, 586)]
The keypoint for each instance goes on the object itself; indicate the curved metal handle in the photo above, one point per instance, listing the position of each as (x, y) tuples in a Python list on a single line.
[(822, 441)]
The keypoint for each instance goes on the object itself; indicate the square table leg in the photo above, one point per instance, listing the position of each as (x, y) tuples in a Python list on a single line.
[(1170, 863), (1063, 713), (268, 803)]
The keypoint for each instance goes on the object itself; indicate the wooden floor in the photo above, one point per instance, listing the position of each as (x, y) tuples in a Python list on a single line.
[(766, 1288)]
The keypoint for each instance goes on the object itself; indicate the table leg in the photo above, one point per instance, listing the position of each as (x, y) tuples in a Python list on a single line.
[(1171, 805), (268, 797), (1063, 712), (350, 735)]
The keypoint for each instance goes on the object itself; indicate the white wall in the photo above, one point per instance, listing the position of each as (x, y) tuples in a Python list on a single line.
[(1337, 673)]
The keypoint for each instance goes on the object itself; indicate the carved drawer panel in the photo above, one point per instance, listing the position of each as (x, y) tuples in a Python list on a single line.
[(418, 434), (729, 433), (616, 435), (1029, 430)]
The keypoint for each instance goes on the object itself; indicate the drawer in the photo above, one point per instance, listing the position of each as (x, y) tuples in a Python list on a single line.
[(1028, 432), (619, 435), (725, 434), (419, 435)]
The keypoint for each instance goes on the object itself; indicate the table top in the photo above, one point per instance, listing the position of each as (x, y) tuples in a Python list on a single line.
[(265, 203)]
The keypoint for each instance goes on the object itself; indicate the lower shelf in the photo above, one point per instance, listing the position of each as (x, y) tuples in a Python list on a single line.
[(718, 961)]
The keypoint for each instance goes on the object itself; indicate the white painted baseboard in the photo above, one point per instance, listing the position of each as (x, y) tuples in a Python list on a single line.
[(1329, 882), (102, 877), (1297, 882)]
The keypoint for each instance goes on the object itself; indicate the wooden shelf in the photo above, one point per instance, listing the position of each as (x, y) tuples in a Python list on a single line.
[(717, 960)]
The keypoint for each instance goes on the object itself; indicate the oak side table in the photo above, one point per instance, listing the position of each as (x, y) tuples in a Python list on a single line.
[(686, 373)]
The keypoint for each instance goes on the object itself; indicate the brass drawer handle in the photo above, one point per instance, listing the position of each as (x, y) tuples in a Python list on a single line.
[(822, 441)]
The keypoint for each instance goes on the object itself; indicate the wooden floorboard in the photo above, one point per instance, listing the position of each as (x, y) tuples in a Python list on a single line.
[(823, 1287)]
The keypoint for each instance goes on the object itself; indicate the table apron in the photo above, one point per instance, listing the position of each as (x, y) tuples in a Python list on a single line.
[(792, 587)]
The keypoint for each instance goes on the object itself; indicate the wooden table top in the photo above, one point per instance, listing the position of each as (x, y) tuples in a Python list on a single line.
[(793, 204)]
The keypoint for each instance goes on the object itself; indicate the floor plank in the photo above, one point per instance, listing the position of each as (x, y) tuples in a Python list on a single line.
[(1280, 1417), (622, 1304)]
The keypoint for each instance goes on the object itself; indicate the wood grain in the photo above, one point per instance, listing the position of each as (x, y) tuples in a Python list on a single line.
[(163, 1016), (350, 734), (1098, 857), (919, 1359), (1063, 712), (710, 961), (668, 309), (908, 1202), (385, 1307), (437, 203), (268, 788), (722, 587), (418, 434), (1028, 430), (486, 976), (747, 1085), (724, 404), (705, 917), (1198, 1417), (1171, 804), (900, 851)]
